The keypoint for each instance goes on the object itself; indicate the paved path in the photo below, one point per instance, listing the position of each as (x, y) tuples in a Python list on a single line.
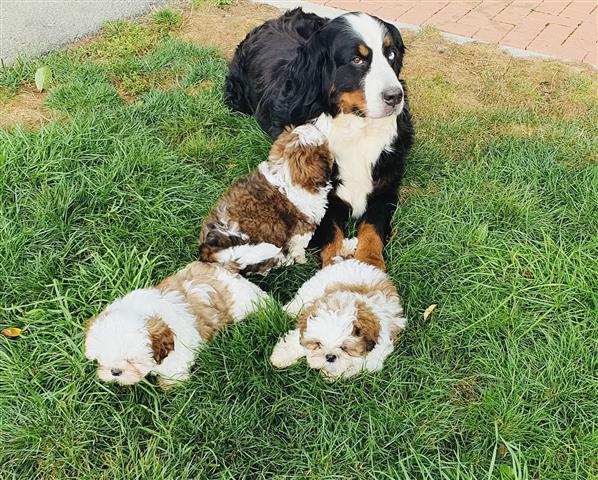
[(564, 29), (32, 27)]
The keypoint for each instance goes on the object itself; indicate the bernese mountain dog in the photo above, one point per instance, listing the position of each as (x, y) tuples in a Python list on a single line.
[(343, 75)]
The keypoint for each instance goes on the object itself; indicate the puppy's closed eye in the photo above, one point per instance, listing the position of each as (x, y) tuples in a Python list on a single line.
[(355, 347), (312, 345)]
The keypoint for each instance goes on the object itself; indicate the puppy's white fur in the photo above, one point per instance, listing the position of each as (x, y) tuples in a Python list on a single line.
[(118, 338), (332, 324)]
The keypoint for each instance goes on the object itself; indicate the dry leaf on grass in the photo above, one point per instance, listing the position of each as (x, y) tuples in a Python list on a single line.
[(428, 311), (12, 332)]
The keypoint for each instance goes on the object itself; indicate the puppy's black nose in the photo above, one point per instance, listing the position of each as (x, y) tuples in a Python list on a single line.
[(116, 372), (330, 358), (392, 96)]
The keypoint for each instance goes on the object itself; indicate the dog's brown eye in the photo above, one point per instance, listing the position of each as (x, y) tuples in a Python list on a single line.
[(357, 60)]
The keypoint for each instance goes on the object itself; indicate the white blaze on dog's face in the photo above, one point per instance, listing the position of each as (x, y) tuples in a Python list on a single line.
[(125, 346), (369, 59), (335, 336)]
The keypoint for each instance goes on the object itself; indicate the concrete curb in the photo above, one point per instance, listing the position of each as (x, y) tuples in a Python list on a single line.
[(34, 28), (331, 12)]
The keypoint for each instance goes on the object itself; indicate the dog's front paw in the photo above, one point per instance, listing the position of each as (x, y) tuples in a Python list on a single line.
[(374, 260)]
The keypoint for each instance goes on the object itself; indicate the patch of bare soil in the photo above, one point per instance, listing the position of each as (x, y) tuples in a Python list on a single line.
[(25, 109), (449, 78), (223, 28)]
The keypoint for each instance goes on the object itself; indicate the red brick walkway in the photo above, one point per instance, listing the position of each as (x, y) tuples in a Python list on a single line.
[(563, 29)]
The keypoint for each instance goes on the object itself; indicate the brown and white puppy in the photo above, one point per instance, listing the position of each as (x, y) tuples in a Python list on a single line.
[(158, 329), (268, 217), (348, 316)]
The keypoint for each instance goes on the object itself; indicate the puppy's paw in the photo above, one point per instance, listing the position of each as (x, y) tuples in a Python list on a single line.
[(348, 248), (166, 383), (287, 351), (300, 259), (281, 356), (328, 377)]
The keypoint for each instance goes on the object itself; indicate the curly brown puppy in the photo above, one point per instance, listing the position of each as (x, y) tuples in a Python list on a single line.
[(268, 217)]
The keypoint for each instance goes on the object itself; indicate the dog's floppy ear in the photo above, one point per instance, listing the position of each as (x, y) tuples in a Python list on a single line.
[(161, 338), (310, 77), (366, 326), (303, 89), (315, 68)]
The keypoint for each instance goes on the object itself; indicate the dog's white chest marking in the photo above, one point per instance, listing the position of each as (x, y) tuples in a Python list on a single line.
[(356, 144)]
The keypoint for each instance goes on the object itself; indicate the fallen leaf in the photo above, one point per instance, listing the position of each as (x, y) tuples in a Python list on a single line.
[(12, 332), (429, 310), (43, 77)]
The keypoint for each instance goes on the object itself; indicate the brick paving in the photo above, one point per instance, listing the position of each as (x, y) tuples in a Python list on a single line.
[(564, 29)]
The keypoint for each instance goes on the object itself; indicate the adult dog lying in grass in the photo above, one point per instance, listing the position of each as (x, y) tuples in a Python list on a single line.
[(158, 329), (268, 217), (349, 314), (344, 73)]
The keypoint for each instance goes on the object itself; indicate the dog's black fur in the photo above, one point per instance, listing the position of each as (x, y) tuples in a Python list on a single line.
[(294, 68)]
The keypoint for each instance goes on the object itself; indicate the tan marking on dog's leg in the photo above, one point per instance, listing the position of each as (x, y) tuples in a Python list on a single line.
[(333, 248), (370, 246)]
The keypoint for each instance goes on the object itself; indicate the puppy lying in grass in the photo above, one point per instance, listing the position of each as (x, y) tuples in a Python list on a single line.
[(348, 316), (267, 218), (157, 330)]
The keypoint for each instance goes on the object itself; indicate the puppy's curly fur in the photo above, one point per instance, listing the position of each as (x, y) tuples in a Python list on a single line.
[(348, 316), (157, 330), (268, 217)]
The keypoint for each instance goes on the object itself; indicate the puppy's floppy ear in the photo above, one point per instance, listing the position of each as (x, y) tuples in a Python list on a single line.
[(161, 338), (302, 318), (366, 325), (310, 166), (88, 353)]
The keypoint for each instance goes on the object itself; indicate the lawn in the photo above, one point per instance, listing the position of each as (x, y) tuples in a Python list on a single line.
[(497, 225)]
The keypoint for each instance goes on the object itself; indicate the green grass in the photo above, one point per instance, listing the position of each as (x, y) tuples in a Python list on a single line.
[(497, 226)]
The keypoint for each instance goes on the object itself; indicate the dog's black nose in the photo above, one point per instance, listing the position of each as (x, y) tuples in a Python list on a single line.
[(116, 372), (330, 358), (392, 96)]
